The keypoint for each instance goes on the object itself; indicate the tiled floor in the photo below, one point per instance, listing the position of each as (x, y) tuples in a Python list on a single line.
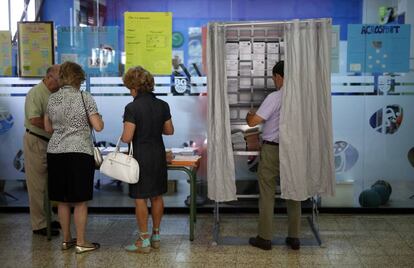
[(349, 241)]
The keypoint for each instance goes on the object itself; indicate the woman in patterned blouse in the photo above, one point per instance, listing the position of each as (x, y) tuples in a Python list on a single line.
[(70, 116)]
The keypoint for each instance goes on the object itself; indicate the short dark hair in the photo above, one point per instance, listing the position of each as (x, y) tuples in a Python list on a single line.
[(278, 68)]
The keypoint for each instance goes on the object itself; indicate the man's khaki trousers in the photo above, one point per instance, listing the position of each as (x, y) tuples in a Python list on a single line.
[(268, 176), (35, 165)]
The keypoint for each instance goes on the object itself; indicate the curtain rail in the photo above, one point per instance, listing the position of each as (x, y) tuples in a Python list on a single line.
[(263, 23)]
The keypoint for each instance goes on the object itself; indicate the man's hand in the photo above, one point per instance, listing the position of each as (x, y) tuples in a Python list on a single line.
[(37, 122), (253, 119)]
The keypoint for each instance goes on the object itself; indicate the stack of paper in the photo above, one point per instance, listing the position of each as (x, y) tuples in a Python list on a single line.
[(187, 151), (237, 139)]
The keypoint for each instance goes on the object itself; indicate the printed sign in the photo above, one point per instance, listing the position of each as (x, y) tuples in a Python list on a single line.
[(5, 54), (36, 53)]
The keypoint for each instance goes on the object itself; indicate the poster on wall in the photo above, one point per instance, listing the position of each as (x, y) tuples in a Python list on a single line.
[(335, 49), (195, 50), (35, 50), (94, 48), (5, 54), (148, 41), (376, 48)]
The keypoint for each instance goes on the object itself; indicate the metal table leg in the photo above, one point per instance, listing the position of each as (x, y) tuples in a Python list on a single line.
[(192, 174)]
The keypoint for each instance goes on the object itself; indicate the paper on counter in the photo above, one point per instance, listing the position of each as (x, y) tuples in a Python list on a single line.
[(112, 149)]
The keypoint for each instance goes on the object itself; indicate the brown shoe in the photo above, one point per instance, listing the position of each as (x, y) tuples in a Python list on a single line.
[(293, 242), (260, 243), (43, 232)]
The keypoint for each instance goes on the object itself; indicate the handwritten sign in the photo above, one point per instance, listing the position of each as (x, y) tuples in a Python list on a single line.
[(148, 41)]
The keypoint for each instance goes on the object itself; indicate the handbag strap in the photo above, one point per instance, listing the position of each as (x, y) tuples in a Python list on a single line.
[(87, 118), (131, 151)]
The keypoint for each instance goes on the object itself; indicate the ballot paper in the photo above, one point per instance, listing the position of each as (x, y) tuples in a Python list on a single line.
[(257, 56), (232, 85), (232, 98), (259, 47), (245, 82), (272, 48), (245, 50), (246, 56), (232, 48), (232, 67), (273, 57), (258, 65), (258, 82), (234, 114), (245, 47), (245, 68), (232, 51)]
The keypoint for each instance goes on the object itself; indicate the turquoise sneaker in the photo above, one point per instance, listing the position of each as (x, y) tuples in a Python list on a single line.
[(155, 238), (142, 245)]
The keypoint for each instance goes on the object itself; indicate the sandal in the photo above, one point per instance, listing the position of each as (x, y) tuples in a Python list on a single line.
[(142, 245), (155, 238), (69, 244), (87, 247)]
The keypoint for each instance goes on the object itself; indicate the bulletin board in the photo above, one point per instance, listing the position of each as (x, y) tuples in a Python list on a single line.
[(5, 54), (148, 41), (36, 48)]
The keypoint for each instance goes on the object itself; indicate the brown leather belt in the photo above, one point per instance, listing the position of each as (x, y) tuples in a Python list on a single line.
[(37, 135), (270, 142)]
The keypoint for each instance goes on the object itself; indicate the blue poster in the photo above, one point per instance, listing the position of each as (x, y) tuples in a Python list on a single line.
[(376, 48), (94, 48)]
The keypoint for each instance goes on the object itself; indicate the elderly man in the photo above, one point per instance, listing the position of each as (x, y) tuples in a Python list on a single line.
[(35, 145)]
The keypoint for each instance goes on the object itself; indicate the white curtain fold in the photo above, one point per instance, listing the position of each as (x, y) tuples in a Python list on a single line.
[(220, 163), (306, 139)]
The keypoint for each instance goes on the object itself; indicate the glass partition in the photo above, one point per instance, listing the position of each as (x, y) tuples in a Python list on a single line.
[(372, 88)]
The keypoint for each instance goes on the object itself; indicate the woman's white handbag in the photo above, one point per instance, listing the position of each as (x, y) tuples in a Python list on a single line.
[(121, 166)]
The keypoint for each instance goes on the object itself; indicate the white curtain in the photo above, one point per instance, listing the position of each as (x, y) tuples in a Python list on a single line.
[(306, 141), (220, 163)]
